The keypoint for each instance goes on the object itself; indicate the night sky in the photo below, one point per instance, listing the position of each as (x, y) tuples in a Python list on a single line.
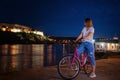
[(63, 17)]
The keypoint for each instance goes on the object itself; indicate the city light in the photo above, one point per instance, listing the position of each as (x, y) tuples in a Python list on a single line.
[(102, 44), (15, 30), (3, 29), (38, 33), (112, 44)]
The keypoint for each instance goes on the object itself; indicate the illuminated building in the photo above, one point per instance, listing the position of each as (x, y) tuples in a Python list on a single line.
[(107, 44), (19, 28), (38, 33), (16, 30)]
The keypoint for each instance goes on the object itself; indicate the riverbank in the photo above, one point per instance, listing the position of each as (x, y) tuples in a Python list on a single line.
[(107, 69), (21, 38)]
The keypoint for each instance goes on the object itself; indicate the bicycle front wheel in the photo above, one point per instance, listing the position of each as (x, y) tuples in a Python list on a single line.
[(68, 67)]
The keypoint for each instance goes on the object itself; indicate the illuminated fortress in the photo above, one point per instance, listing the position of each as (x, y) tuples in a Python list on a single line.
[(19, 28)]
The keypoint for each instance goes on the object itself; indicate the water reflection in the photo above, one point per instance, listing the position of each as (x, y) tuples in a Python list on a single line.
[(37, 55), (17, 57)]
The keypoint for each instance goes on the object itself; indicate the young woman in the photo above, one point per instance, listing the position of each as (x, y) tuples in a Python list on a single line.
[(86, 37)]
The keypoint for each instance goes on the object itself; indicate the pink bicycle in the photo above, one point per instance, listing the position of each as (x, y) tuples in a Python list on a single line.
[(70, 66)]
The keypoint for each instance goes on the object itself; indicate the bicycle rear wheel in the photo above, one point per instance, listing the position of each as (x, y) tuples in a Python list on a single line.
[(68, 67)]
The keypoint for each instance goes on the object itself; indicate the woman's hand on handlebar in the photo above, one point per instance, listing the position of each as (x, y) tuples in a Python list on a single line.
[(75, 41)]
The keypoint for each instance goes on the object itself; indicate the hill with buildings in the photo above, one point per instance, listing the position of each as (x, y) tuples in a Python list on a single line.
[(14, 33)]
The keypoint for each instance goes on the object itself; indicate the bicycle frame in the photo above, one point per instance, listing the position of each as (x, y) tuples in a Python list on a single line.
[(83, 60)]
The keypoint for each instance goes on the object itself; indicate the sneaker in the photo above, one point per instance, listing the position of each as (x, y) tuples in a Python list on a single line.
[(92, 75)]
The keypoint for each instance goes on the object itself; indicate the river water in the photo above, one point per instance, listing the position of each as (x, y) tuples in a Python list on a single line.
[(22, 56)]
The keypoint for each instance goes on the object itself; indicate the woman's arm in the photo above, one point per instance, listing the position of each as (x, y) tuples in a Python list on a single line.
[(79, 37)]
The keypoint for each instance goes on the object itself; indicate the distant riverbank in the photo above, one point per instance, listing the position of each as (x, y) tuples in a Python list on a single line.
[(21, 38)]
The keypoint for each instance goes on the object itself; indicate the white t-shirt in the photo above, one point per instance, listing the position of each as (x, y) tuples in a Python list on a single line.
[(85, 32)]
